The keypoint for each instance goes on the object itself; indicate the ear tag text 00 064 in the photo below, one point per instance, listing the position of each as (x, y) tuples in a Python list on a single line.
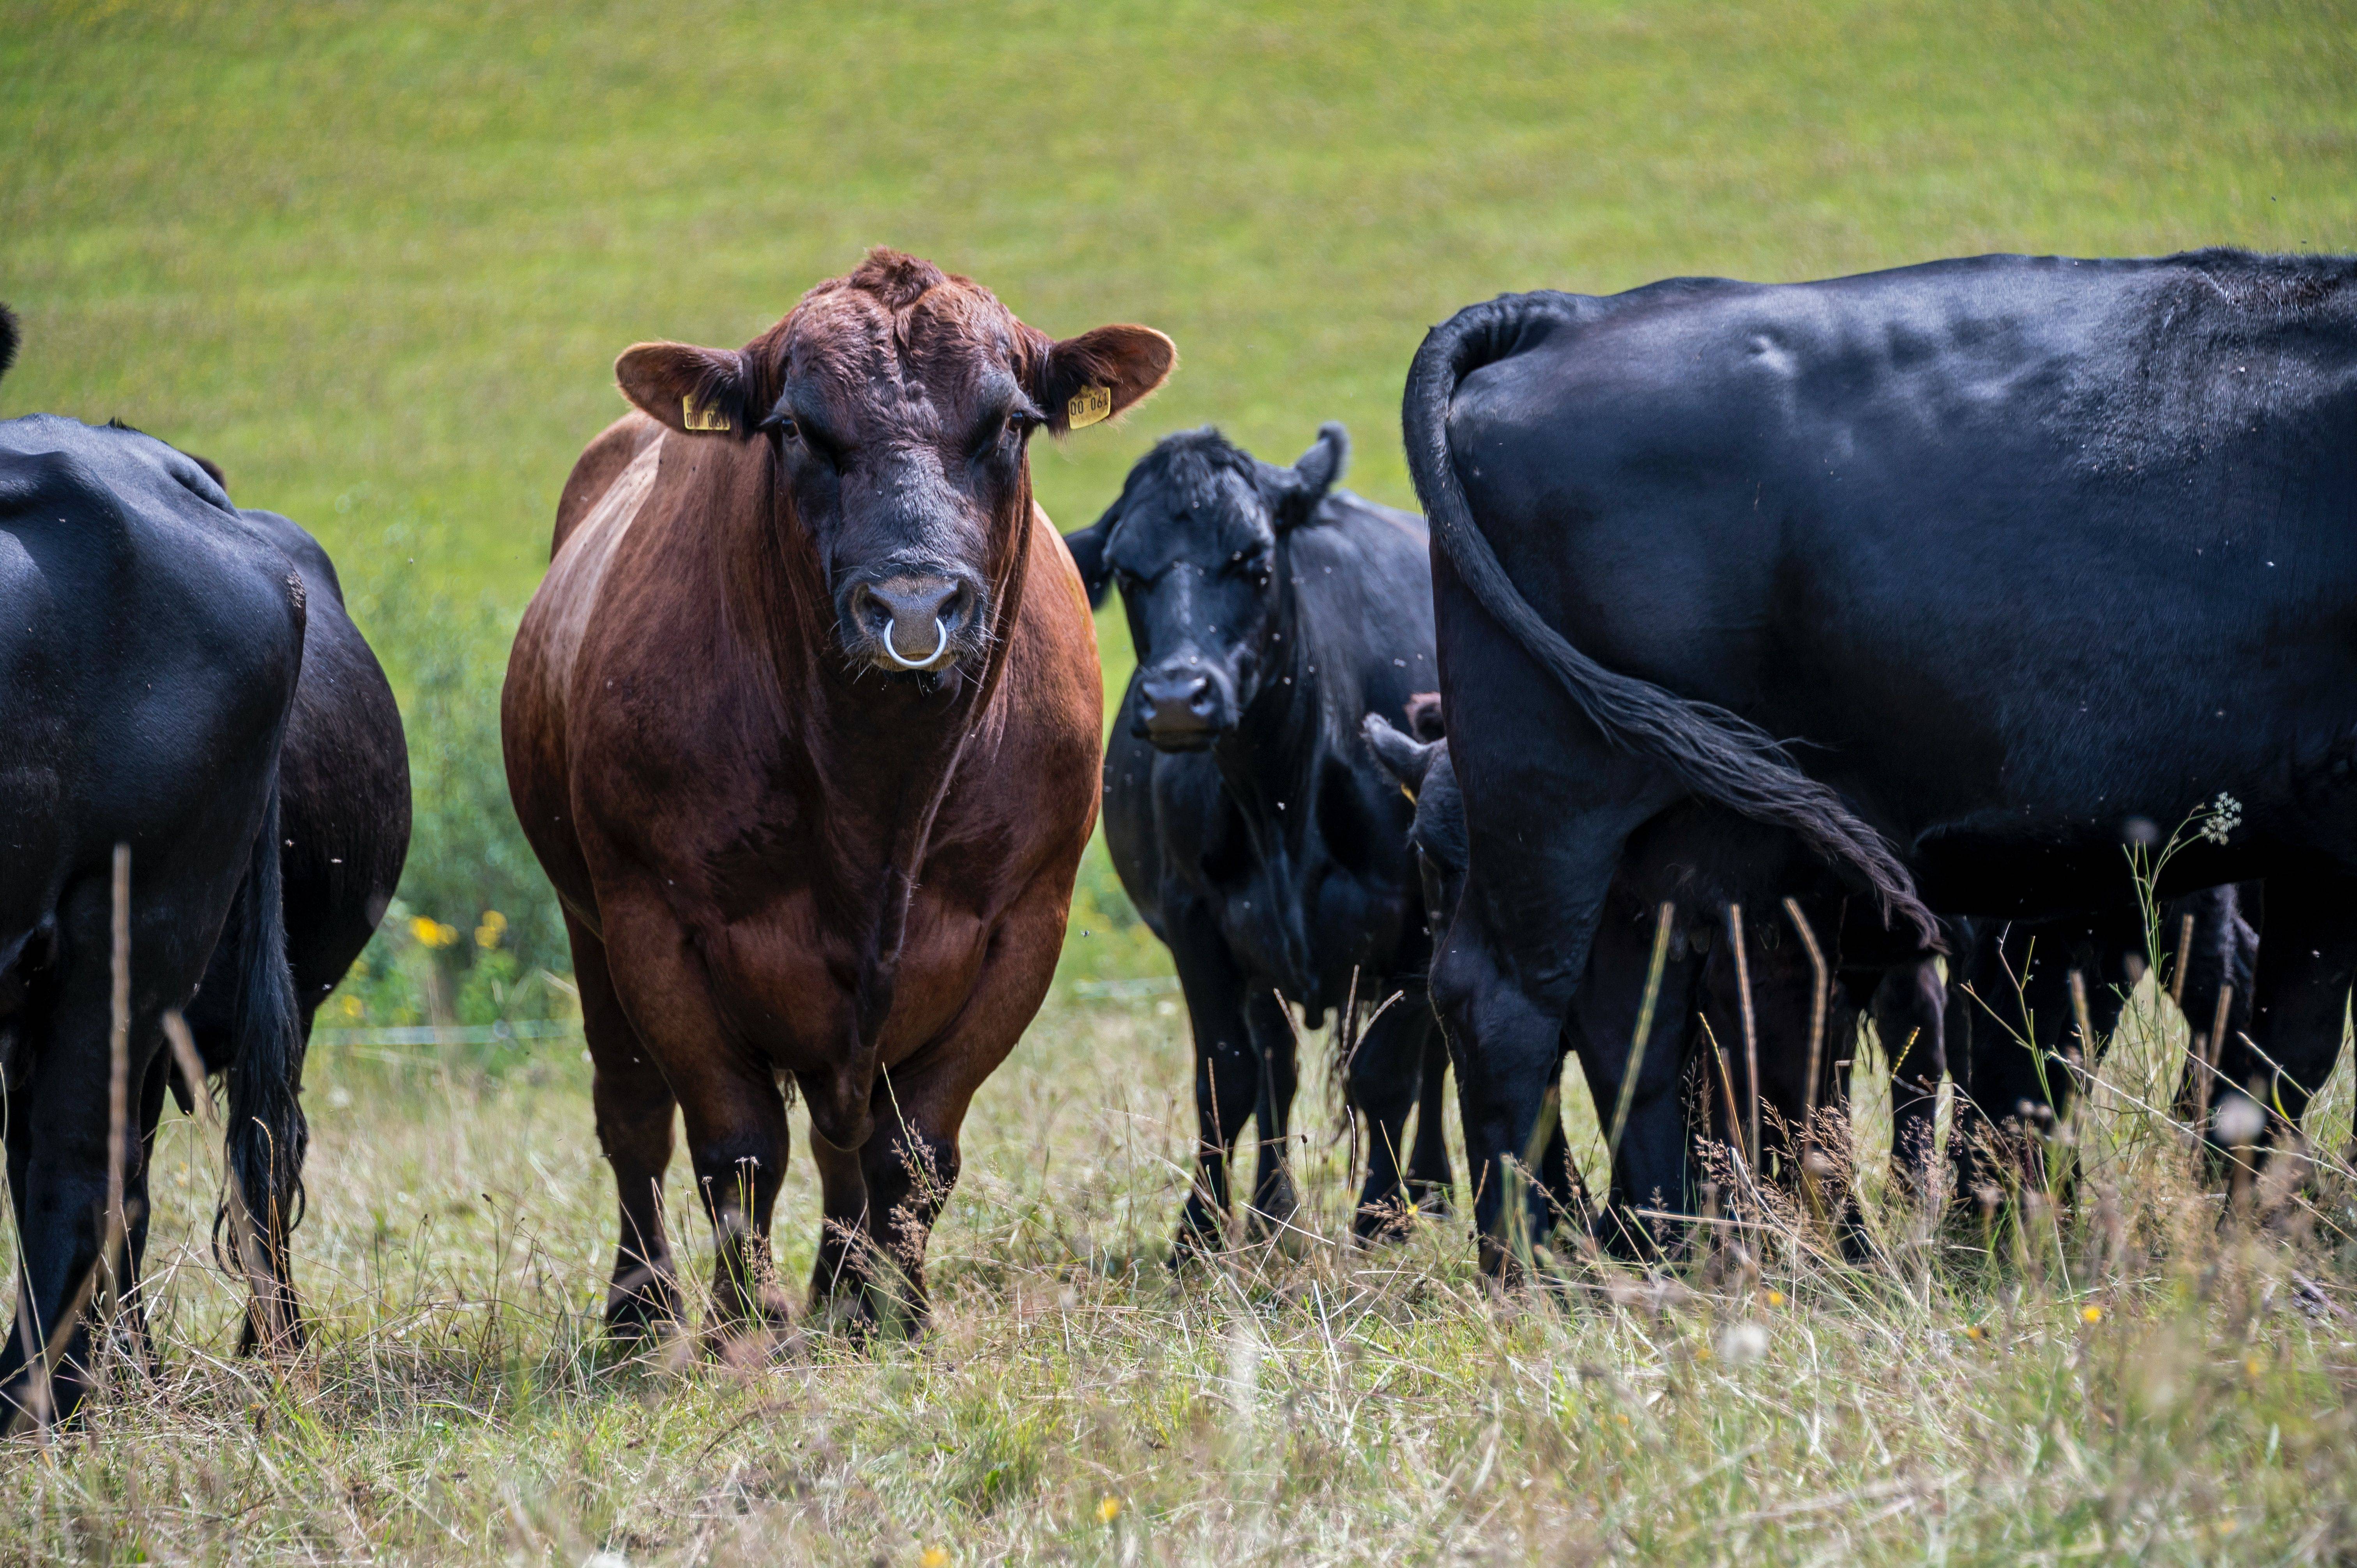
[(694, 418), (1089, 405)]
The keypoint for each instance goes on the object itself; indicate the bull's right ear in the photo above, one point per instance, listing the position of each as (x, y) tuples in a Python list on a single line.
[(1088, 548), (696, 391), (1405, 758)]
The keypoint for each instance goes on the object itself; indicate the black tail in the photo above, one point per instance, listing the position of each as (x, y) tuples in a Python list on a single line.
[(1716, 754), (267, 1137), (9, 337)]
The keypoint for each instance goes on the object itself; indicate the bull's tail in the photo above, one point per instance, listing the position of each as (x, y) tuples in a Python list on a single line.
[(267, 1137), (1718, 755), (9, 339)]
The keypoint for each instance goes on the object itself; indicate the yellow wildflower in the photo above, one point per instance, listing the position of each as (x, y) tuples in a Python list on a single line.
[(431, 933), (2091, 1314), (494, 927), (933, 1557), (353, 1007), (1775, 1298), (1108, 1509), (1975, 1332)]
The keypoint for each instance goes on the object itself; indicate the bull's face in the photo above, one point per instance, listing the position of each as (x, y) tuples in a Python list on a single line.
[(898, 405), (1197, 545)]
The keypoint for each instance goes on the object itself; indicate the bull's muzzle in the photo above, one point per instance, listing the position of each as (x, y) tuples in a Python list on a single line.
[(912, 620)]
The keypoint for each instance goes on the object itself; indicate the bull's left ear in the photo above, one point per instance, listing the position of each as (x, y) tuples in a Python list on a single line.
[(1101, 374), (1294, 493), (697, 391)]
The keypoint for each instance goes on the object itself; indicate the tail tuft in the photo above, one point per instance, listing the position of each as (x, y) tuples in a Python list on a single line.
[(267, 1137)]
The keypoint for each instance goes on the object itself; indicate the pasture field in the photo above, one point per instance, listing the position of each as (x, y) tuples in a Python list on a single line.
[(377, 261)]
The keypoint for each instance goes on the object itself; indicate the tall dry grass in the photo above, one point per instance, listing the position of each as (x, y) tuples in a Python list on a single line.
[(2131, 1373)]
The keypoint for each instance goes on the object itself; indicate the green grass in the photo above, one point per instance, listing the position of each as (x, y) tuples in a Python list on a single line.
[(377, 261)]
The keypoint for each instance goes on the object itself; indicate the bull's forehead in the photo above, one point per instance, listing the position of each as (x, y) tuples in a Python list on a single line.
[(928, 371), (1209, 518)]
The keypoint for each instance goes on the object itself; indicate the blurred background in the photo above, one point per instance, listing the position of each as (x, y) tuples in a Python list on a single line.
[(377, 260)]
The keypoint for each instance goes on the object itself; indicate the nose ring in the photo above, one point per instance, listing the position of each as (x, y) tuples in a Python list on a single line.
[(938, 648)]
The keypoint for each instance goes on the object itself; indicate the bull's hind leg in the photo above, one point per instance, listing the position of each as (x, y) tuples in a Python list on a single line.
[(635, 1112)]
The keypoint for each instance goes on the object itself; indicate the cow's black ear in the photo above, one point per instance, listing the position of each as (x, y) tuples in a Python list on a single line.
[(697, 391), (1088, 548), (1405, 758), (1295, 492)]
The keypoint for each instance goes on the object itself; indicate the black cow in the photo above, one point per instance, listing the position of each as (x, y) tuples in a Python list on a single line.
[(343, 828), (2022, 550), (152, 640), (1256, 835)]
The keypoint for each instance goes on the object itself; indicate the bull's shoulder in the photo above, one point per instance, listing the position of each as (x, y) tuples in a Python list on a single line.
[(600, 463)]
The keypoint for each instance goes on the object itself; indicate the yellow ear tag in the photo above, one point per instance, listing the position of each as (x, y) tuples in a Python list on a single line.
[(695, 418), (1089, 405)]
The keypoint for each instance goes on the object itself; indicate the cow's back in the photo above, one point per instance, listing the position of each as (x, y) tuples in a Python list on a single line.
[(2017, 515)]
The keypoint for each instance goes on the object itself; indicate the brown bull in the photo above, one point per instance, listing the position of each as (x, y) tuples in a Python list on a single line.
[(804, 725)]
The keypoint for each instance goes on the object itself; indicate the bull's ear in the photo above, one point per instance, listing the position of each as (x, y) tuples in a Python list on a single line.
[(1101, 374), (1088, 548), (1406, 759), (1294, 493), (697, 391)]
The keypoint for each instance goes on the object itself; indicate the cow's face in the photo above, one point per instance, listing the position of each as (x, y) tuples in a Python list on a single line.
[(899, 404), (1197, 545), (1423, 773)]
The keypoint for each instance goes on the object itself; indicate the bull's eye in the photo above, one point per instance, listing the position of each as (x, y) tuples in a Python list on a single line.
[(784, 425)]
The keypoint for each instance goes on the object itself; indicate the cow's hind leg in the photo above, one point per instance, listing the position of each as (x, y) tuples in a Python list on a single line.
[(1429, 1179), (2307, 962), (635, 1113)]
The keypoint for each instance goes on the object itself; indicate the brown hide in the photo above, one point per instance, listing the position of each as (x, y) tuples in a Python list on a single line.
[(774, 857)]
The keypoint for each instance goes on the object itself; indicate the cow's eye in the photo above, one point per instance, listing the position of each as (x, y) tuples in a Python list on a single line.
[(783, 425)]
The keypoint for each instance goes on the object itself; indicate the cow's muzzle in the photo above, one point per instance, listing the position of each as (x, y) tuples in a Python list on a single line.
[(912, 620), (1181, 710)]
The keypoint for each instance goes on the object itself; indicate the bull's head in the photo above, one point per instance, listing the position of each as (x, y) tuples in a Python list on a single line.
[(1196, 545), (899, 404)]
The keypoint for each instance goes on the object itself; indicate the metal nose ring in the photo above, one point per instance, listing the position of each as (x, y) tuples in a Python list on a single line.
[(939, 649)]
